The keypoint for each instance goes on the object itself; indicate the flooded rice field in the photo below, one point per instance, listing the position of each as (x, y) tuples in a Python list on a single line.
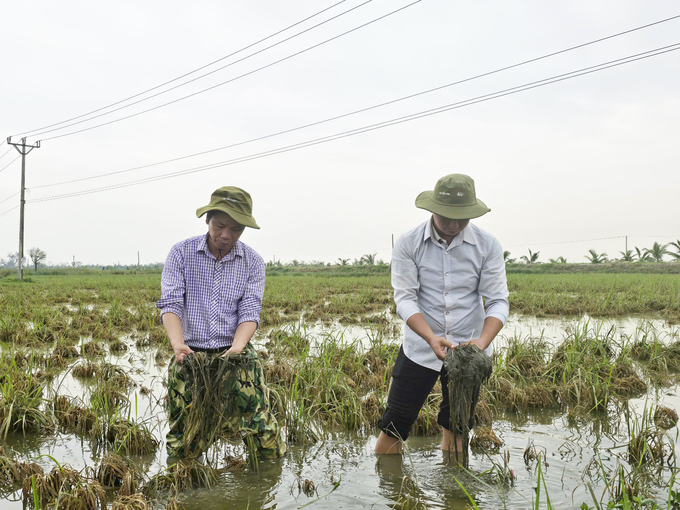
[(580, 410)]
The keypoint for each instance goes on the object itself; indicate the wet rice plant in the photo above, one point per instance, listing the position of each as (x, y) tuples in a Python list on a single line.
[(21, 399), (180, 477), (63, 488), (467, 368), (121, 435), (136, 501), (583, 374)]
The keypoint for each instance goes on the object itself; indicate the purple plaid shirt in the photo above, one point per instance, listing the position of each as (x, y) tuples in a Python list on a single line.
[(212, 298)]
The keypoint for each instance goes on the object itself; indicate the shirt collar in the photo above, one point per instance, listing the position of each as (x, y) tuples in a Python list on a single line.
[(430, 231), (236, 250), (469, 235), (466, 236)]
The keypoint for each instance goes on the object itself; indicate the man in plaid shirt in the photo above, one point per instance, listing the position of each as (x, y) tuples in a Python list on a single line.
[(212, 287)]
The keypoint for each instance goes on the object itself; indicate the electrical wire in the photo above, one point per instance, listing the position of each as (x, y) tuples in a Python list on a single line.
[(8, 211), (8, 164), (653, 237), (224, 82), (9, 197), (202, 76), (380, 125), (362, 110), (589, 240), (5, 154), (565, 242), (190, 72)]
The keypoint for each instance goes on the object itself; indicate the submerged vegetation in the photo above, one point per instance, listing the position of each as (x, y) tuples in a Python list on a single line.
[(72, 348)]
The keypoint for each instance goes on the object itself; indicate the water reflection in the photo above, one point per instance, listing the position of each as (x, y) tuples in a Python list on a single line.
[(553, 330), (245, 489)]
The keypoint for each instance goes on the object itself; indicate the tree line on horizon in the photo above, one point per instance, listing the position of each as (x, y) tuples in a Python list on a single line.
[(654, 254)]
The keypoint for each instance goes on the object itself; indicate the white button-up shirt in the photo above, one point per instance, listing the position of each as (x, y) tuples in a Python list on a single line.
[(446, 285)]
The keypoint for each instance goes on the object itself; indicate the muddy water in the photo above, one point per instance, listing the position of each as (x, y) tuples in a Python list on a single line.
[(553, 330), (346, 473)]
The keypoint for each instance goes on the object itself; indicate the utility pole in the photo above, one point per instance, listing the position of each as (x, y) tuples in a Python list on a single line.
[(23, 150)]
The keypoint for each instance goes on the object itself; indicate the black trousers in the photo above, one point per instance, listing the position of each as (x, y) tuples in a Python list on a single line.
[(411, 384)]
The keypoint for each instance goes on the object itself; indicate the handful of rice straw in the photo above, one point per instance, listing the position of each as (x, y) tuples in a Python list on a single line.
[(468, 367), (208, 375)]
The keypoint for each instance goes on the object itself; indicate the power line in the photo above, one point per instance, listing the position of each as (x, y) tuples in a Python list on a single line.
[(380, 125), (8, 211), (201, 76), (653, 237), (565, 242), (5, 154), (224, 82), (9, 197), (189, 73), (8, 164), (362, 110)]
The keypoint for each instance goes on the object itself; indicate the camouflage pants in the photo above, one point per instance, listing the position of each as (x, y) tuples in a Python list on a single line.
[(252, 417)]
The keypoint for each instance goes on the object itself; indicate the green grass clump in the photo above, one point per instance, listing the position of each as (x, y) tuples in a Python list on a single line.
[(63, 488), (21, 400), (179, 477), (328, 380), (583, 374)]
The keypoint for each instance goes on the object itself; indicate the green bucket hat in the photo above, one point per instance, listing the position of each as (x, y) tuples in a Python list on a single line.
[(453, 197), (233, 201)]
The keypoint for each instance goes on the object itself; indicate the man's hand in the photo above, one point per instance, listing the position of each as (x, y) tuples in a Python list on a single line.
[(491, 328), (181, 351), (234, 349), (173, 328), (244, 332), (439, 345), (482, 344)]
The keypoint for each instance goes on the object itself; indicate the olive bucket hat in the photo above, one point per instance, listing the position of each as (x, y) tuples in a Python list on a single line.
[(453, 197), (233, 201)]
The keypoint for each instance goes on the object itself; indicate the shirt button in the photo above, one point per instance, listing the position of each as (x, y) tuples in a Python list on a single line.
[(446, 293), (447, 274), (447, 313)]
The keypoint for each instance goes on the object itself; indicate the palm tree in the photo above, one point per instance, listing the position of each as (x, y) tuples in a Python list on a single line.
[(628, 256), (507, 259), (369, 259), (596, 258), (657, 251), (558, 260), (642, 255), (533, 257), (676, 247), (343, 262)]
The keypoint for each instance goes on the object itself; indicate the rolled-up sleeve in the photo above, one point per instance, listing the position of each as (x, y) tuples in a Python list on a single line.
[(493, 284), (250, 304), (405, 280), (173, 285)]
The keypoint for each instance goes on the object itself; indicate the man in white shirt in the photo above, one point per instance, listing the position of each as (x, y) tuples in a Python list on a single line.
[(441, 270)]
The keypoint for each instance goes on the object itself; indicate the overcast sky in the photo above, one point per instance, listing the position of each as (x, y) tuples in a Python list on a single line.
[(561, 165)]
